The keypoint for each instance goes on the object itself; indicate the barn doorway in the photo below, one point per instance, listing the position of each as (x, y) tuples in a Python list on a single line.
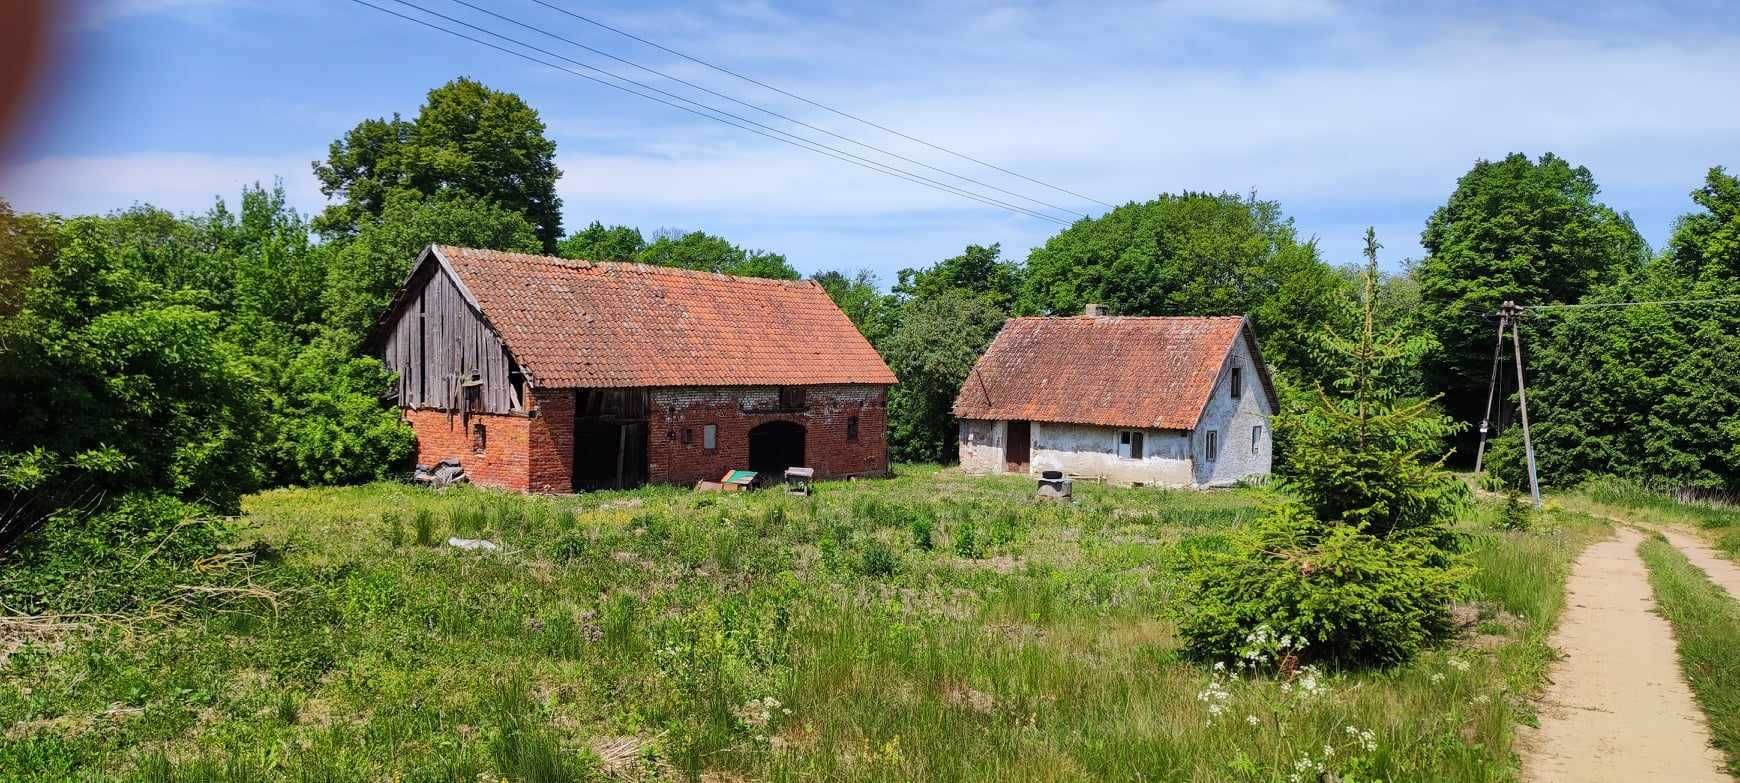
[(1018, 448), (775, 446), (610, 438)]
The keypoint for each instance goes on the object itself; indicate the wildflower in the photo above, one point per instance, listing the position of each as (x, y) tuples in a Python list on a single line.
[(1252, 719), (1458, 664), (1437, 677)]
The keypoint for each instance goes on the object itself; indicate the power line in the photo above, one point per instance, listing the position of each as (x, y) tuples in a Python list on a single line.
[(823, 106), (764, 110), (709, 111), (1634, 304)]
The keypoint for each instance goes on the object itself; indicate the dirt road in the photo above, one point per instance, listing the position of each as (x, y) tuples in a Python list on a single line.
[(1721, 570), (1617, 708)]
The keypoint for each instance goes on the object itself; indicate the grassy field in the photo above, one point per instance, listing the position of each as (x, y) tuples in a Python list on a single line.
[(927, 627), (1706, 624)]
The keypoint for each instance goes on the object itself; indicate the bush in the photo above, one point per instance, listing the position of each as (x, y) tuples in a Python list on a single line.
[(877, 560), (1346, 596), (109, 561), (968, 543), (923, 530), (1516, 515)]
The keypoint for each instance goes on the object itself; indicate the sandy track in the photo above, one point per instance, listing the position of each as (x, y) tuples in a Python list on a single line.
[(1617, 708), (1721, 570)]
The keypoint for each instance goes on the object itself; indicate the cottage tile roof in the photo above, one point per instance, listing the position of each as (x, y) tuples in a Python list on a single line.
[(1154, 373), (612, 325)]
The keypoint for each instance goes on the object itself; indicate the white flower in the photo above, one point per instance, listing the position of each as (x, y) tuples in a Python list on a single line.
[(1437, 677), (1458, 664), (1252, 719)]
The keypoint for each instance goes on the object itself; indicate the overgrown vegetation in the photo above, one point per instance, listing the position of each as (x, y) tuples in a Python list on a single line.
[(661, 632), (1706, 622), (1356, 564)]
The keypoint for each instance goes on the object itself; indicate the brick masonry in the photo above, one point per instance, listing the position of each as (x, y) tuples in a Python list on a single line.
[(535, 453), (504, 459)]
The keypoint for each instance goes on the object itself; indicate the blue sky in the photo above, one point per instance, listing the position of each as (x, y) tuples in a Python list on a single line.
[(1348, 114)]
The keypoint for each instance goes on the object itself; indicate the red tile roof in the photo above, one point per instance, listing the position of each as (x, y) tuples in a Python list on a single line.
[(604, 325), (1112, 371)]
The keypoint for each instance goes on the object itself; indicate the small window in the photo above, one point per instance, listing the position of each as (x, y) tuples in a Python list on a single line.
[(1256, 439), (1130, 444), (851, 429), (1238, 382), (479, 438), (688, 436), (1211, 445), (710, 437), (791, 398)]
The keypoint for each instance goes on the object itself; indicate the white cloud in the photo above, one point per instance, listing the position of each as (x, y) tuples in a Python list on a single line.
[(176, 182)]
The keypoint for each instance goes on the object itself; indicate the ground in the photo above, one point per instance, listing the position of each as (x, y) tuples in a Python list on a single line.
[(932, 626)]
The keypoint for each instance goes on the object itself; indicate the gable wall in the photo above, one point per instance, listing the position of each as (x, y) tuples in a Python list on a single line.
[(1233, 420), (436, 340)]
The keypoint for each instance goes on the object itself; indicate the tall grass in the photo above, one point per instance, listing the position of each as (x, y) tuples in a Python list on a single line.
[(1707, 512), (1706, 624)]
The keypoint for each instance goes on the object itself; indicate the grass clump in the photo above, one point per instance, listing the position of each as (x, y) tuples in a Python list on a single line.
[(423, 524), (1706, 623)]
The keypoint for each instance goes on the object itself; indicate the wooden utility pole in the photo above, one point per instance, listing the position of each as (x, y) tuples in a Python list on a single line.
[(1491, 394)]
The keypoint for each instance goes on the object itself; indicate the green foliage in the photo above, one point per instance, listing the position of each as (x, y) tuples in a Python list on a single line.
[(1706, 624), (708, 253), (931, 351), (369, 268), (873, 312), (467, 141), (1514, 229), (922, 528), (424, 525), (1342, 595), (1356, 565), (597, 243), (27, 241), (969, 542), (877, 560), (1191, 254), (1650, 393), (978, 269), (331, 425), (1517, 515), (111, 560)]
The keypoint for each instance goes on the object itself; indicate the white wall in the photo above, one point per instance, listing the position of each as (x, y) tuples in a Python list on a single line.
[(1233, 419), (1086, 450), (981, 444)]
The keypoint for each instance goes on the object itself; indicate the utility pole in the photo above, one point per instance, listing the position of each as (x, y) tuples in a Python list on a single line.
[(1508, 315)]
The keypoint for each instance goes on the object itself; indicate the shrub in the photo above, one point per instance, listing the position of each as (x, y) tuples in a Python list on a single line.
[(108, 561), (569, 547), (1345, 595), (395, 528), (923, 530), (877, 560), (1517, 515), (968, 543)]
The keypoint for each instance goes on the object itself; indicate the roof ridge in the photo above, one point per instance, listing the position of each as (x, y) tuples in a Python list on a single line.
[(631, 266)]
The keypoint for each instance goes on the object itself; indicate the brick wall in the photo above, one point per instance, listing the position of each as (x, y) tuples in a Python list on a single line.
[(552, 440), (503, 463), (736, 411), (536, 453)]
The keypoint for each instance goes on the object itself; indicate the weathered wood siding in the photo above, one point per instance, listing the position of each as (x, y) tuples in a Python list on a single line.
[(438, 341)]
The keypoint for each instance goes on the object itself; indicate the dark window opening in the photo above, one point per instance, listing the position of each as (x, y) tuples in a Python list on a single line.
[(516, 387), (1256, 439), (792, 398), (851, 429), (688, 436), (1212, 445), (479, 438), (1130, 444), (1238, 382)]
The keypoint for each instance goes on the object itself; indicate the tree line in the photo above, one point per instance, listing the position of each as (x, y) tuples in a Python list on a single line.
[(194, 358)]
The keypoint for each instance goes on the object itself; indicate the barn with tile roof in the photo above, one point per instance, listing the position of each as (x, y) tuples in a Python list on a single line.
[(553, 375), (1167, 401)]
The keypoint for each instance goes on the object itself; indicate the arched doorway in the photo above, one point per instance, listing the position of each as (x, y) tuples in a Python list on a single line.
[(775, 446)]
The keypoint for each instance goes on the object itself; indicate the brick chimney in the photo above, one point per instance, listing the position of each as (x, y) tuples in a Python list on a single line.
[(1094, 310)]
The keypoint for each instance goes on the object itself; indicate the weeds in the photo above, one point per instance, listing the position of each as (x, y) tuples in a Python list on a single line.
[(1706, 623), (424, 526)]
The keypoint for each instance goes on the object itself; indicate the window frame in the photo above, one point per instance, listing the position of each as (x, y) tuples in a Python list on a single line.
[(1211, 445), (1132, 445), (1237, 382), (1256, 438), (710, 437)]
